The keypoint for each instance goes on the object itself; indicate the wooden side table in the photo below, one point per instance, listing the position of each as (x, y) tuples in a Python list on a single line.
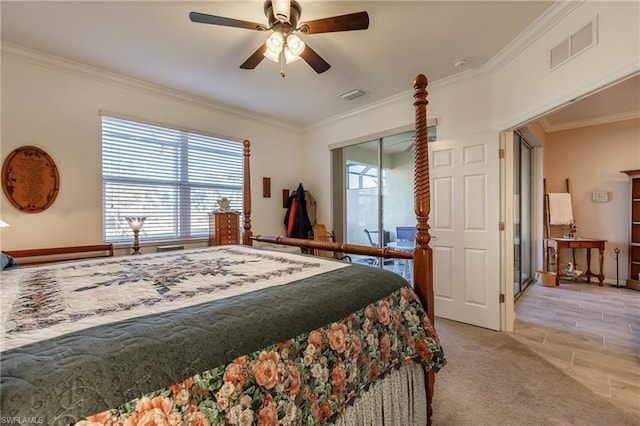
[(557, 244), (224, 228)]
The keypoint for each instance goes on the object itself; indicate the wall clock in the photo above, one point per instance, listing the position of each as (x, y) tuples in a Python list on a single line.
[(30, 179)]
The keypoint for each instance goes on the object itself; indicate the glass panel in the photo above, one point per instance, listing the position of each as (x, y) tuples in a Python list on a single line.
[(398, 216), (363, 180), (522, 274), (379, 197), (517, 250), (526, 273)]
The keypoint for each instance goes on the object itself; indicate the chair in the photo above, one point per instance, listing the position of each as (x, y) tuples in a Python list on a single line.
[(373, 237), (320, 233), (405, 237)]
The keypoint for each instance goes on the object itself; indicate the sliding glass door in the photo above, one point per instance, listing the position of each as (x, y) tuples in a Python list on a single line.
[(365, 180), (522, 169), (379, 195)]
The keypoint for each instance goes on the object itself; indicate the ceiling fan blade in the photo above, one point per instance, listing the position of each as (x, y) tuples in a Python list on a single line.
[(203, 18), (255, 58), (314, 60), (350, 22)]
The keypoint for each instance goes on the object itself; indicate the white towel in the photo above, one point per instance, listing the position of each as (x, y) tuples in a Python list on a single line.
[(560, 211)]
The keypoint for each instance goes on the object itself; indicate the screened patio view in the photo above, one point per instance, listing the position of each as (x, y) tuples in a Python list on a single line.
[(379, 204)]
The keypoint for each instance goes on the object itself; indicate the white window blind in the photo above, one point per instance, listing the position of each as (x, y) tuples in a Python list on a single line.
[(172, 177)]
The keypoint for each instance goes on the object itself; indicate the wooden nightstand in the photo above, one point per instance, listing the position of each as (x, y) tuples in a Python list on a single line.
[(557, 244), (224, 228)]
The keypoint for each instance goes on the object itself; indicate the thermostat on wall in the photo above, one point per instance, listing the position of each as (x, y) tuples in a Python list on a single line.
[(599, 197)]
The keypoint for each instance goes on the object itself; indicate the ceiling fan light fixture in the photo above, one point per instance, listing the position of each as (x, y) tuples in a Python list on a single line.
[(290, 57), (281, 45), (274, 44), (272, 56), (295, 45)]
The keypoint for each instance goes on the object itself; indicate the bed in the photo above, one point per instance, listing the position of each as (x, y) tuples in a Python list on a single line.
[(225, 335)]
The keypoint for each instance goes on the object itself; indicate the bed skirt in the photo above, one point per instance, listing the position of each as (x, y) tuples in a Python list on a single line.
[(399, 399)]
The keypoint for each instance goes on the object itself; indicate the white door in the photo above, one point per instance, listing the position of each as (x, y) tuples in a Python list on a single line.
[(465, 214)]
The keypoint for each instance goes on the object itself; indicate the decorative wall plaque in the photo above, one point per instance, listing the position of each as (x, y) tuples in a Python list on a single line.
[(30, 179)]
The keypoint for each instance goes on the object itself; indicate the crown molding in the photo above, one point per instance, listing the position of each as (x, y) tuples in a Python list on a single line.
[(544, 123), (595, 121), (79, 69), (459, 79), (556, 103), (555, 13)]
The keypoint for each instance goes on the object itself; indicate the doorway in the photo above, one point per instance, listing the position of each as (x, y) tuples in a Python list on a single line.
[(377, 177)]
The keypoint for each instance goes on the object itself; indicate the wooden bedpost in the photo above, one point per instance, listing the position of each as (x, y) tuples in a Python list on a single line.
[(422, 264), (422, 255), (246, 207)]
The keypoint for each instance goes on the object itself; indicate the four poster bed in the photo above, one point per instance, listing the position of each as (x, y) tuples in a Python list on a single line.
[(226, 334)]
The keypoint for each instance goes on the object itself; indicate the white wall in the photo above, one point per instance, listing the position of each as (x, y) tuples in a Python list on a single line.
[(524, 88), (498, 99), (462, 108), (58, 111), (592, 158), (55, 105)]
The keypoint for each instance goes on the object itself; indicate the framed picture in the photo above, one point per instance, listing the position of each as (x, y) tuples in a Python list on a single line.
[(30, 179)]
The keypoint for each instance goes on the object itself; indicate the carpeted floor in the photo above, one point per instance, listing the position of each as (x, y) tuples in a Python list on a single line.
[(491, 379)]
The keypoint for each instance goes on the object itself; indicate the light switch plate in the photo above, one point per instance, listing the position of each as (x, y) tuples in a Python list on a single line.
[(599, 197)]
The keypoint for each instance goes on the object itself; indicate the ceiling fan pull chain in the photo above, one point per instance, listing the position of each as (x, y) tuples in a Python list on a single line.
[(282, 61)]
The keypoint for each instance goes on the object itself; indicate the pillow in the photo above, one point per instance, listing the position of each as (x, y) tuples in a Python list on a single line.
[(8, 262)]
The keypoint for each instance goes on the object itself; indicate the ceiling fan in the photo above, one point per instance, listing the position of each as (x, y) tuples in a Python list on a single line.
[(284, 45)]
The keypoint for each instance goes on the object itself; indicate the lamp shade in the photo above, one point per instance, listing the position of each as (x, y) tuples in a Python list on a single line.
[(135, 222), (294, 48), (274, 44)]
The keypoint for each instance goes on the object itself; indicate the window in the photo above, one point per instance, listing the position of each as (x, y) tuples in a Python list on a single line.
[(172, 177), (363, 176)]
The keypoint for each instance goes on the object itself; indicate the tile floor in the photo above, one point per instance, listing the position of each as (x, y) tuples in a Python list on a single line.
[(592, 333)]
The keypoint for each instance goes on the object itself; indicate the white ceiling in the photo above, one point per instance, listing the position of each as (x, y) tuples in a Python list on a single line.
[(155, 41)]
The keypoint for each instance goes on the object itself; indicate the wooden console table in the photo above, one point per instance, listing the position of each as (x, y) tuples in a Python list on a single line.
[(557, 244)]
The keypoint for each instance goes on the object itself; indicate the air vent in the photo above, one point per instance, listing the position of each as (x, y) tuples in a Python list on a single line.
[(352, 94), (578, 42)]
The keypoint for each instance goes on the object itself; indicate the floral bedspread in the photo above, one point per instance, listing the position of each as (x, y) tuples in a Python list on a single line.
[(209, 336), (305, 380)]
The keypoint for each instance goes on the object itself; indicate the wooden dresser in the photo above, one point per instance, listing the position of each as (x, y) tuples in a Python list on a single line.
[(224, 228)]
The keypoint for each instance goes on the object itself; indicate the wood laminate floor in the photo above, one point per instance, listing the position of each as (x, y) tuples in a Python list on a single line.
[(592, 333)]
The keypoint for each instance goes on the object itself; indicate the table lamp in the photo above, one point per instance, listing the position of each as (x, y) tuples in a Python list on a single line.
[(135, 223)]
